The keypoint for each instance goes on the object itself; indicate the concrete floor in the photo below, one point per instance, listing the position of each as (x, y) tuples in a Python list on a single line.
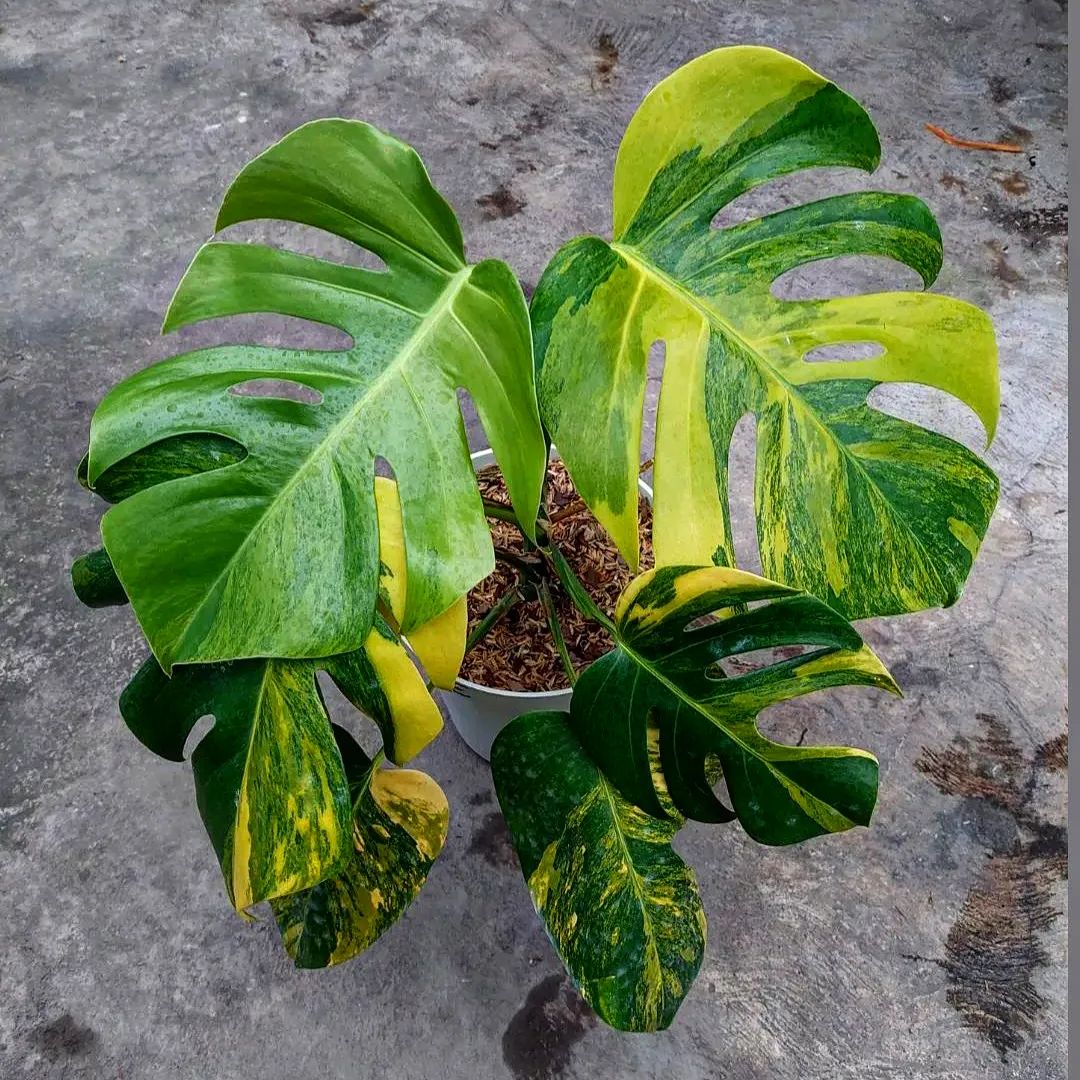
[(931, 945)]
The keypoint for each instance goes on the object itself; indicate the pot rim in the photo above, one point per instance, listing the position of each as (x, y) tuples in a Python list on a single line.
[(481, 458)]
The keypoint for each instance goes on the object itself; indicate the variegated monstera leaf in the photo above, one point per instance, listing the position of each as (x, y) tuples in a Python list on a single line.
[(619, 904), (270, 783), (873, 514), (662, 718), (269, 780), (593, 799), (400, 819), (276, 552)]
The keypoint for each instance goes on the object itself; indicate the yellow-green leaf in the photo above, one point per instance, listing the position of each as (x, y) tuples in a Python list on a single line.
[(873, 514), (276, 553), (268, 776)]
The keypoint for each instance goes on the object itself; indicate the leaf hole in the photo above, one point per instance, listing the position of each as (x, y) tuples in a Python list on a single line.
[(282, 389), (746, 663), (742, 463), (265, 328), (474, 428), (714, 776), (198, 732), (304, 240), (930, 408), (343, 713), (784, 192), (844, 350), (655, 377), (845, 275)]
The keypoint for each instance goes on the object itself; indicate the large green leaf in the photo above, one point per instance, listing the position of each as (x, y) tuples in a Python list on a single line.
[(873, 514), (276, 554), (400, 818), (663, 688), (268, 776), (620, 906)]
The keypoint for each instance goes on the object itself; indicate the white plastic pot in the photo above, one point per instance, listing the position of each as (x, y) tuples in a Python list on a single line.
[(481, 712)]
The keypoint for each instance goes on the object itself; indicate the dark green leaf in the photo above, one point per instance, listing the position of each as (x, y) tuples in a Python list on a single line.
[(664, 681)]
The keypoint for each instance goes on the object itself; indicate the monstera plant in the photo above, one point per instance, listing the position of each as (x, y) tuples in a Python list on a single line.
[(260, 542)]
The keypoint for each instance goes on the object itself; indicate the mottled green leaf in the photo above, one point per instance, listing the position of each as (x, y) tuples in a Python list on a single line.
[(874, 515), (620, 906), (400, 818), (274, 552), (268, 776), (661, 707)]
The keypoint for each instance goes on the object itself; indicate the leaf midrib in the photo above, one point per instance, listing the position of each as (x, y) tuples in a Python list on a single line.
[(434, 316), (709, 313), (636, 882)]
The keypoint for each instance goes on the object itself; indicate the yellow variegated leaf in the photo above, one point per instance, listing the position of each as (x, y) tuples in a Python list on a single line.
[(659, 710), (873, 514), (440, 643), (400, 820), (268, 776), (619, 904)]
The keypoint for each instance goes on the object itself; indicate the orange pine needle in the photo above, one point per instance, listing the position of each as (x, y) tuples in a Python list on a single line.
[(973, 144)]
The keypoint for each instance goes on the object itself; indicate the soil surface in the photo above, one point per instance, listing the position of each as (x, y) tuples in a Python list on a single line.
[(518, 652)]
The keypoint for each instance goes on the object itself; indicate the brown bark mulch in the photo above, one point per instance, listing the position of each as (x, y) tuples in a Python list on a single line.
[(518, 652)]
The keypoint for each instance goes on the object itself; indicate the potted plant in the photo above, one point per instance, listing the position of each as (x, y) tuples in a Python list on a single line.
[(259, 543)]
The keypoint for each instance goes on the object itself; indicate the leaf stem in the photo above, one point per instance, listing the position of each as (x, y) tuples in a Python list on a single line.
[(498, 610), (576, 590), (498, 510), (556, 631), (522, 563)]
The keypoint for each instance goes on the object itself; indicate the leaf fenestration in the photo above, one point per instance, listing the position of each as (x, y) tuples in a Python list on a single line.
[(665, 674)]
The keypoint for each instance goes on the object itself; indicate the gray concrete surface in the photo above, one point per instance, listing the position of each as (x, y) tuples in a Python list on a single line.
[(931, 945)]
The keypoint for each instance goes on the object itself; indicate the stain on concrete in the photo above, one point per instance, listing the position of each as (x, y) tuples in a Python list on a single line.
[(501, 203), (1035, 224), (63, 1038), (607, 60), (492, 841), (1021, 133), (1054, 755), (912, 676), (343, 16), (951, 182), (1014, 183), (1000, 90), (535, 120), (538, 1041), (993, 951), (27, 77), (1003, 270)]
